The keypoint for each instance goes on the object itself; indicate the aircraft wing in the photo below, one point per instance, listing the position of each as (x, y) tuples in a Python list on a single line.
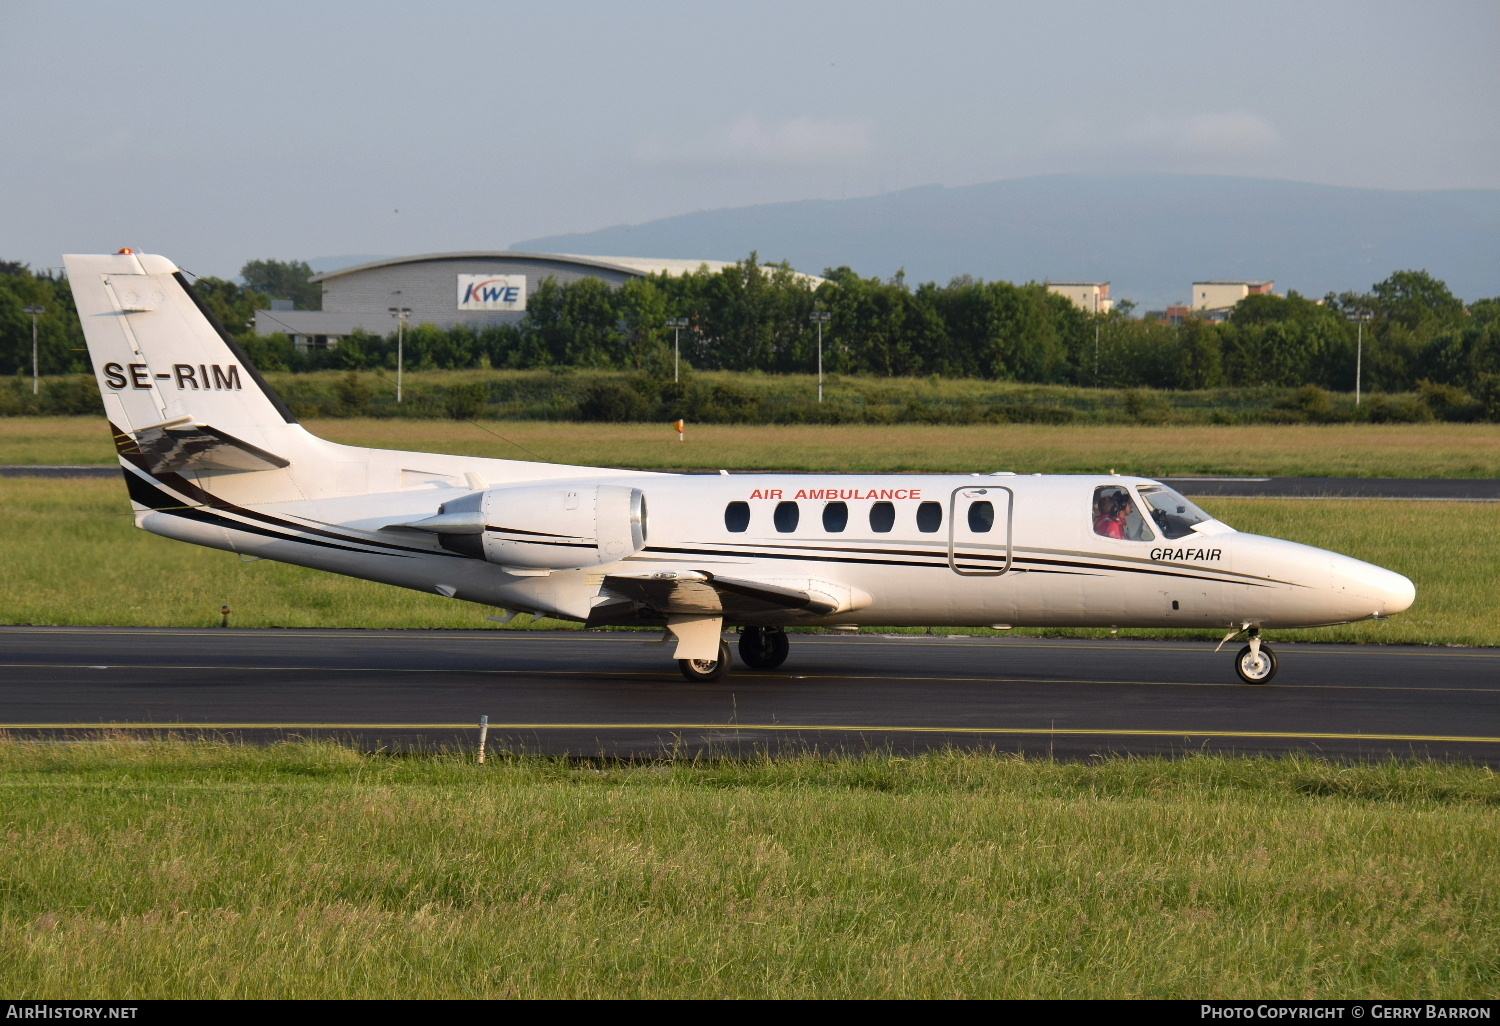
[(745, 599)]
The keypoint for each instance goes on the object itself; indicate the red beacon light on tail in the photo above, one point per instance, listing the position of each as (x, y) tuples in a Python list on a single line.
[(127, 251)]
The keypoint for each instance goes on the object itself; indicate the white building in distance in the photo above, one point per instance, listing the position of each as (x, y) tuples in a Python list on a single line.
[(447, 289), (1223, 295), (1088, 296)]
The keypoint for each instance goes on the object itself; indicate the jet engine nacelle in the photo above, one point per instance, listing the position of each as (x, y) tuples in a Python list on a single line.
[(544, 527)]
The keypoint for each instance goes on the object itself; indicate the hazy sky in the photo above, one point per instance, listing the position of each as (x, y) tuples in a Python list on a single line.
[(216, 133)]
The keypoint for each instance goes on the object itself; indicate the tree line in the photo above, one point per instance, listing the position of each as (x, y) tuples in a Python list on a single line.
[(755, 316)]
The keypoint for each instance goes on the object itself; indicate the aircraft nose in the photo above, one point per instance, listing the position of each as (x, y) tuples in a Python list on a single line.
[(1385, 591), (1399, 593)]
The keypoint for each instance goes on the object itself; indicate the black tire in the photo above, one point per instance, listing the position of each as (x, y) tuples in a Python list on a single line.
[(764, 648), (1255, 671), (701, 671)]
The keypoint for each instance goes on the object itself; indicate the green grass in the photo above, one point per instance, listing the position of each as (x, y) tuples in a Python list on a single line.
[(1286, 450), (72, 556), (203, 870)]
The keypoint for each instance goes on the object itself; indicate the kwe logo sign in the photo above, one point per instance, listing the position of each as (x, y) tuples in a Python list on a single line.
[(492, 292)]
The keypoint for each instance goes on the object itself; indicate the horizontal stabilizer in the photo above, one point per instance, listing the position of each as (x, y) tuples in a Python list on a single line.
[(181, 445)]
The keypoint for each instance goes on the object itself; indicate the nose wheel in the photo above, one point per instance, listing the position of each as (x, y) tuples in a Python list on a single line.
[(1256, 664)]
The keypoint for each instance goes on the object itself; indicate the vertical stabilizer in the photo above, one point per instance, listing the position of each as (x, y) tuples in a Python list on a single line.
[(159, 356)]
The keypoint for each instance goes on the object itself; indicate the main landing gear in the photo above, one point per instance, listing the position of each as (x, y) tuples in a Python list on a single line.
[(701, 671), (1256, 664), (761, 648)]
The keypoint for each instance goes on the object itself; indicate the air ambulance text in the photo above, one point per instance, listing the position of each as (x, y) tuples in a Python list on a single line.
[(840, 493)]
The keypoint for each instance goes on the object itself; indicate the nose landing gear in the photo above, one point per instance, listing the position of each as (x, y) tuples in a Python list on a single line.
[(1255, 664)]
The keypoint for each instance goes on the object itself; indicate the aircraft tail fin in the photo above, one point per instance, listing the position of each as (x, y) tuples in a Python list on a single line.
[(166, 368)]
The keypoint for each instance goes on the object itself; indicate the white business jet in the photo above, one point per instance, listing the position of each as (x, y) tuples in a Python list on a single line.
[(212, 456)]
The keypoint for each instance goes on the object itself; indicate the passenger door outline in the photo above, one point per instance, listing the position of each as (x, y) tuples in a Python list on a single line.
[(976, 492)]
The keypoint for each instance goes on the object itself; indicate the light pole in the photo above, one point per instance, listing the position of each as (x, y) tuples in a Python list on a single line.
[(35, 311), (676, 324), (820, 318), (1096, 348), (401, 313), (1359, 348)]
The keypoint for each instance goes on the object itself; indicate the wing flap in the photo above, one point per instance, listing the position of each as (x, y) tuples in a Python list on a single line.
[(701, 592)]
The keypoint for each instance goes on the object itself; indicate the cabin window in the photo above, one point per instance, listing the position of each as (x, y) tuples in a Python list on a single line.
[(737, 517), (981, 516), (786, 516), (835, 517), (882, 517), (1175, 515), (1116, 515), (929, 517)]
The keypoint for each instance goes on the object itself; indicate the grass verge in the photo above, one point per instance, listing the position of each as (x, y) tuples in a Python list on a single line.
[(141, 869), (73, 557), (1267, 450)]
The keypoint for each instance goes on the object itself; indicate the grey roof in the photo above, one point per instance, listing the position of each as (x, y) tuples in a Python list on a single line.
[(622, 265), (320, 322)]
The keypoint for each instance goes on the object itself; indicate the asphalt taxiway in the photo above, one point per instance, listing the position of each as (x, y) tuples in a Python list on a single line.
[(615, 693)]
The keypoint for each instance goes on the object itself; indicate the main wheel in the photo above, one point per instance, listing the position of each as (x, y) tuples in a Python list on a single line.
[(764, 648), (702, 670), (1255, 669)]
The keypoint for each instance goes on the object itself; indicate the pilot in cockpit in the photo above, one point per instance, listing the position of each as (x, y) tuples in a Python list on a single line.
[(1109, 514), (1115, 515)]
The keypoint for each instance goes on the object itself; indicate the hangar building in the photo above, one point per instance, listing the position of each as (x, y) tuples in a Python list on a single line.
[(446, 289)]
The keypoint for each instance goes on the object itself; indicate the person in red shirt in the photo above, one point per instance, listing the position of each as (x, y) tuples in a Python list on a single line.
[(1109, 513)]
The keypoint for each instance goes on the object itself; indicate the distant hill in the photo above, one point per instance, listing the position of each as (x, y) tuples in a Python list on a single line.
[(1150, 235)]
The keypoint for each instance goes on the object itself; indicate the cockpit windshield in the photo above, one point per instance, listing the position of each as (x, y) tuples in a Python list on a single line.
[(1172, 513)]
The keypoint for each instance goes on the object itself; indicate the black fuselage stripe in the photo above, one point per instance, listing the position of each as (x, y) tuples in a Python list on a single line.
[(149, 495), (924, 560), (536, 534), (555, 544), (1228, 576), (198, 496)]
